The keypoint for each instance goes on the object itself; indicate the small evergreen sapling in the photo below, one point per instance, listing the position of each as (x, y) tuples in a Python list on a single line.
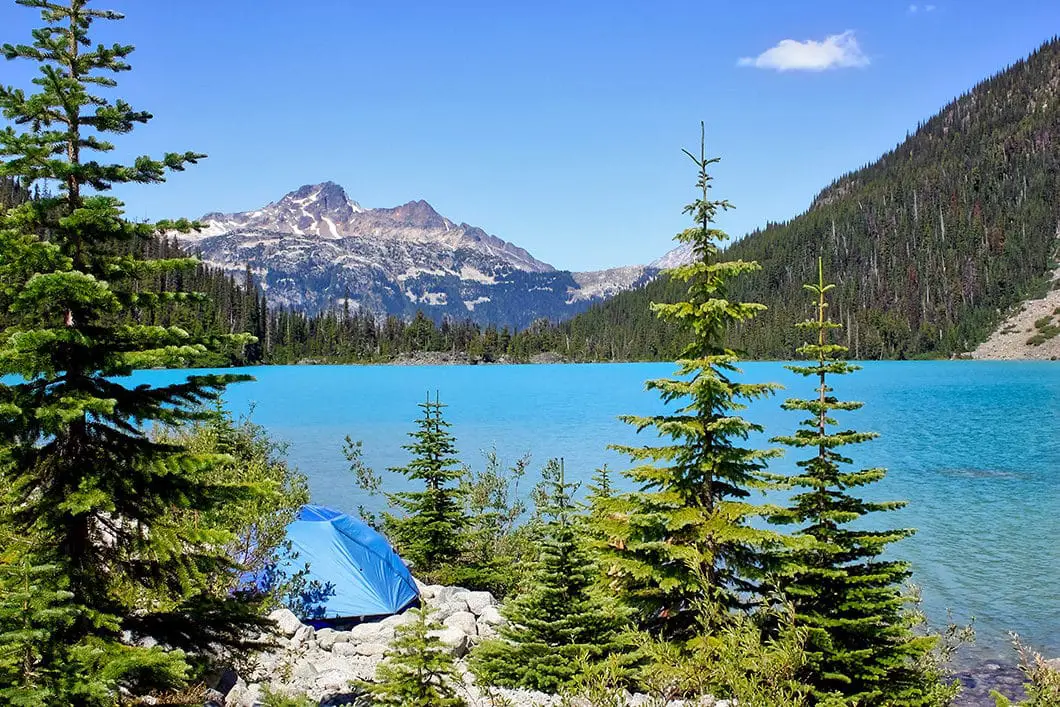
[(418, 670), (860, 642), (431, 532), (558, 622), (684, 535)]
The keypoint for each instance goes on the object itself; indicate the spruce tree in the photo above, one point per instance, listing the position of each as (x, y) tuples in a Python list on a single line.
[(101, 503), (418, 670), (558, 625), (430, 533), (683, 537), (860, 642)]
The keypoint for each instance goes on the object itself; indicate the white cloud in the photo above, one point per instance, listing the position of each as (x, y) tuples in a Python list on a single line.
[(833, 52), (913, 9)]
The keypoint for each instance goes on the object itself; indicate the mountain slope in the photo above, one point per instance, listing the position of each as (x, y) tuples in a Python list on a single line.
[(928, 245), (1031, 332), (316, 249)]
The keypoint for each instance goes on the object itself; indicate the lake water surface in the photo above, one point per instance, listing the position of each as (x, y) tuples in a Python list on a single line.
[(974, 447)]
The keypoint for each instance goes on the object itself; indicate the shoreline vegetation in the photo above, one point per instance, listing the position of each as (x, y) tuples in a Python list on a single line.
[(133, 518)]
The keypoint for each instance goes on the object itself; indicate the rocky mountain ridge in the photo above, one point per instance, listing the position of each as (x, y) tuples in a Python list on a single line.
[(316, 249)]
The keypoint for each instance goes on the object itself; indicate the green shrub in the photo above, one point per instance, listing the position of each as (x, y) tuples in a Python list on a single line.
[(1043, 680), (735, 663), (275, 699)]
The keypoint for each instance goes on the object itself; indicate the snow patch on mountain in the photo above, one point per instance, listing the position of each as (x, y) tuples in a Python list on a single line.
[(604, 284)]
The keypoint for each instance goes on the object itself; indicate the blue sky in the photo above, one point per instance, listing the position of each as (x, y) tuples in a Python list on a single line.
[(555, 125)]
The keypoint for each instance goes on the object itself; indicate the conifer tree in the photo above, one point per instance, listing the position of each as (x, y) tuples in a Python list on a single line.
[(418, 670), (100, 502), (682, 537), (860, 642), (430, 533), (557, 624), (599, 505)]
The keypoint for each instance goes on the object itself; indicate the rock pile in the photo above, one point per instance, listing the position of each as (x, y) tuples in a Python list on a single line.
[(320, 664)]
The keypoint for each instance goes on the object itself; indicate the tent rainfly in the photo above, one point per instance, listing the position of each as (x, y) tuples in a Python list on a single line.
[(368, 577)]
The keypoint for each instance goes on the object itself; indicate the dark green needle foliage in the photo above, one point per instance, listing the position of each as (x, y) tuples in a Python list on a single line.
[(35, 605), (861, 642), (430, 533), (101, 503), (558, 625), (418, 670), (683, 536)]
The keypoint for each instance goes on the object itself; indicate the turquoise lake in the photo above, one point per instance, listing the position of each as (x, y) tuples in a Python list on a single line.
[(974, 447)]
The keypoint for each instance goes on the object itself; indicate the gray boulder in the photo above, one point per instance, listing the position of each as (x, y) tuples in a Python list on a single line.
[(302, 636), (304, 670), (239, 695), (397, 620), (332, 681), (285, 620), (454, 639), (478, 601), (353, 667), (345, 648), (464, 621), (446, 609), (371, 632), (490, 616), (370, 649), (447, 594), (326, 638)]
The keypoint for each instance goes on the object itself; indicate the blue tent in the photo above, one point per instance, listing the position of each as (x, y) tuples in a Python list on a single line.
[(369, 578)]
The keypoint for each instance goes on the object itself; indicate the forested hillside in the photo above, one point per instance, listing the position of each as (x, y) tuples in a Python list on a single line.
[(928, 245)]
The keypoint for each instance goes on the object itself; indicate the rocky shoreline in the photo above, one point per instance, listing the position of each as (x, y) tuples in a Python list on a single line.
[(320, 664)]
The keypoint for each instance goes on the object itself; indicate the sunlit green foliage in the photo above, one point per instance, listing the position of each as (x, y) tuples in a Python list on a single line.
[(684, 537), (418, 670), (557, 624), (860, 640)]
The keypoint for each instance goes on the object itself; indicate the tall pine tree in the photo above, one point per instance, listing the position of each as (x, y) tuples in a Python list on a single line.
[(860, 643), (683, 538), (557, 625), (430, 533), (101, 503)]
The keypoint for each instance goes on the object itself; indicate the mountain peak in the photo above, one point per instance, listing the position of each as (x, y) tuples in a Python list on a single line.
[(416, 213), (330, 197)]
